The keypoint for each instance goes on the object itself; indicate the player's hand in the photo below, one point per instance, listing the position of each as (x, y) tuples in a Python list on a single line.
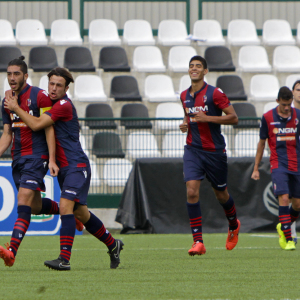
[(11, 101), (255, 175), (53, 168), (200, 117), (183, 127)]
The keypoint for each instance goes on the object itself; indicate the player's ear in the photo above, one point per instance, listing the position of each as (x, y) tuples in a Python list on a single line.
[(66, 88), (26, 76), (205, 71)]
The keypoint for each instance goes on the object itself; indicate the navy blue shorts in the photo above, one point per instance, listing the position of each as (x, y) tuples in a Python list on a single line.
[(75, 183), (286, 183), (29, 173), (198, 163)]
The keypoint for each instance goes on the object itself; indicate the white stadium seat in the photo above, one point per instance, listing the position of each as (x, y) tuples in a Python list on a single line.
[(264, 87), (291, 79), (104, 32), (254, 59), (173, 144), (169, 110), (30, 32), (116, 171), (269, 105), (148, 59), (242, 32), (89, 88), (179, 57), (65, 32), (159, 88), (172, 33), (138, 32), (277, 32), (7, 37), (286, 59)]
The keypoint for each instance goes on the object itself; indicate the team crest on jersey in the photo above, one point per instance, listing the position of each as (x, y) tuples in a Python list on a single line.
[(28, 102), (296, 121), (204, 98)]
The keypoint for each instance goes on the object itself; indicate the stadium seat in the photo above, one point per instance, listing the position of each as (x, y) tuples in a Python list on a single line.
[(135, 110), (8, 53), (269, 105), (116, 171), (277, 32), (173, 144), (43, 84), (42, 59), (7, 37), (142, 144), (242, 32), (219, 59), (232, 86), (169, 111), (148, 59), (30, 32), (65, 32), (179, 57), (7, 87), (79, 59), (254, 59), (245, 110), (104, 32), (125, 88), (100, 110), (208, 33), (172, 33), (291, 79), (286, 59), (107, 145), (95, 178), (264, 87), (89, 88), (245, 143), (83, 144), (113, 59), (138, 32), (159, 88)]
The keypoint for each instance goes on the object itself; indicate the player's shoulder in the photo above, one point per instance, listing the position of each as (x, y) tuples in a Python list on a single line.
[(183, 93)]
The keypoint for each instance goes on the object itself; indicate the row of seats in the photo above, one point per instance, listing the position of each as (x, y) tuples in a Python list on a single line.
[(160, 88), (149, 59), (139, 32)]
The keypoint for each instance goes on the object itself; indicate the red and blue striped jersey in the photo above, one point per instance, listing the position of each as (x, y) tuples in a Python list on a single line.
[(28, 143), (210, 100), (69, 152), (283, 139)]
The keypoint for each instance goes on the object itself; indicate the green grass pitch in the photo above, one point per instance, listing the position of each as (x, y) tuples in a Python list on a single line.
[(154, 266)]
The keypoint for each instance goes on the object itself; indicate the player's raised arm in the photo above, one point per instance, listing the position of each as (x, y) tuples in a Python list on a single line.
[(35, 123), (258, 157), (5, 139)]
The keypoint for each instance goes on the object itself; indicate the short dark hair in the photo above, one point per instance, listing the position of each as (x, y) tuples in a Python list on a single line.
[(294, 85), (285, 93), (63, 73), (200, 58), (19, 62)]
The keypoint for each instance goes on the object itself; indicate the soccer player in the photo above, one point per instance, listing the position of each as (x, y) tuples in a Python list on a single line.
[(281, 127), (29, 153), (296, 94), (75, 172), (205, 152)]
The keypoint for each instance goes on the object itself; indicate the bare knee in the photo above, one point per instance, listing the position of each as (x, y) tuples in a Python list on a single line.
[(25, 197), (222, 196), (82, 213), (192, 195)]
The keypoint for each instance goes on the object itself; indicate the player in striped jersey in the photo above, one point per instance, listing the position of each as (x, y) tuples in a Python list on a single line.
[(280, 126), (205, 152)]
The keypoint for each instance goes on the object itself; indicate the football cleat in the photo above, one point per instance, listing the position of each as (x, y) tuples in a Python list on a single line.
[(282, 239), (58, 264), (7, 255), (290, 245), (198, 248), (79, 225), (233, 237), (115, 254)]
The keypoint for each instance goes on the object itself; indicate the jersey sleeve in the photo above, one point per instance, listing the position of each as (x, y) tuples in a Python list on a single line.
[(264, 131), (5, 116), (43, 101), (220, 99), (61, 110)]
